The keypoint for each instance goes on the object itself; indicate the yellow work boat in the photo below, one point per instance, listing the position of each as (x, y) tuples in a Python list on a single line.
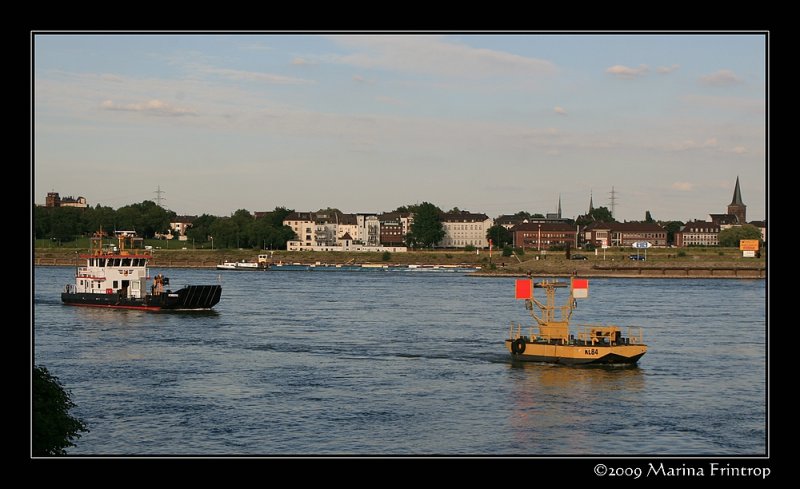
[(554, 343)]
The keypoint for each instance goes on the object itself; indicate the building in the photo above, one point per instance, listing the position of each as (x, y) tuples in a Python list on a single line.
[(394, 226), (179, 225), (737, 207), (698, 233), (737, 211), (54, 200), (465, 229), (302, 223), (762, 226), (508, 221), (544, 235), (624, 233)]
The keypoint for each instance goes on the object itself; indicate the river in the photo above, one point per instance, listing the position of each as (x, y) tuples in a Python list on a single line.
[(404, 364)]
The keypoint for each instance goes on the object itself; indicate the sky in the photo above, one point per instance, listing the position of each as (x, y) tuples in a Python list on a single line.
[(366, 123)]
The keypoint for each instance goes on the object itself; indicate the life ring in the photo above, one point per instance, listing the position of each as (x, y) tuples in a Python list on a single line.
[(125, 272), (518, 346)]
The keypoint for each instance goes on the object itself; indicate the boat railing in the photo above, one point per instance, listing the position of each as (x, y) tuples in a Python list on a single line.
[(588, 333), (634, 334)]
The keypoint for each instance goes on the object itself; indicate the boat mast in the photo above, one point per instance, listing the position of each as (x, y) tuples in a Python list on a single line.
[(548, 309)]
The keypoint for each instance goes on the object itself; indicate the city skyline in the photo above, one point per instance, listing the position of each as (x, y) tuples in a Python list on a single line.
[(487, 123)]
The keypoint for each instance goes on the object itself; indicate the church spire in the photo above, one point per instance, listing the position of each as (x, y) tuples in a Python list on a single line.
[(737, 207), (737, 194), (559, 206), (591, 205)]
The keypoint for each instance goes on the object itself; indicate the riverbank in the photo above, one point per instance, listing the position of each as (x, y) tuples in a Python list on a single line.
[(662, 263)]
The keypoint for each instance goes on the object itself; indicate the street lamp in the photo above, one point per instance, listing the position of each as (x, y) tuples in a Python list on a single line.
[(539, 239), (212, 242)]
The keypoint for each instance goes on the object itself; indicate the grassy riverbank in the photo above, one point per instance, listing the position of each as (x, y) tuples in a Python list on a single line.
[(668, 262)]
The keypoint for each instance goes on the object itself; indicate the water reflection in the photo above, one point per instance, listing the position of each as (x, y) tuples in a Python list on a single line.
[(562, 409)]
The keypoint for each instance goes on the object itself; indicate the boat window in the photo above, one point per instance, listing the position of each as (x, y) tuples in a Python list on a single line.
[(116, 262), (102, 262), (114, 284), (126, 262)]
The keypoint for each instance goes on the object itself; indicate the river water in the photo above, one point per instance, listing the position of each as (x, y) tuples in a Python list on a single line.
[(405, 363)]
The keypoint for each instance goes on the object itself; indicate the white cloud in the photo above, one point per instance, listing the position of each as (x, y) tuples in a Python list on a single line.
[(110, 77), (436, 56), (361, 79), (688, 144), (388, 100), (297, 60), (560, 110), (721, 78), (255, 76), (683, 186), (667, 69), (151, 107), (627, 73)]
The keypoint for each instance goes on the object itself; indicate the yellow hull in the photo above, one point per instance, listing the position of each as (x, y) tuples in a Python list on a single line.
[(576, 354)]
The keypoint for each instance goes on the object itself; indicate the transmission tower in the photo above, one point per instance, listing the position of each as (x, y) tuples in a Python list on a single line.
[(159, 198), (613, 201)]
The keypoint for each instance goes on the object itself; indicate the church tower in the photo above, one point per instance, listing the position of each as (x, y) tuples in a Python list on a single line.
[(591, 205), (559, 206), (737, 207)]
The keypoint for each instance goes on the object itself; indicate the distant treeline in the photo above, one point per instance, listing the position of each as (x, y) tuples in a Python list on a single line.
[(240, 230)]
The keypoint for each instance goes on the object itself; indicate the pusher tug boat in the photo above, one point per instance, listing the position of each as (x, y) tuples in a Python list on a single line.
[(117, 278), (594, 345)]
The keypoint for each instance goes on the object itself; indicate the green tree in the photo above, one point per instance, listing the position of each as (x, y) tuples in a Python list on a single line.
[(65, 223), (672, 227), (648, 217), (225, 232), (522, 215), (602, 214), (277, 216), (499, 235), (427, 228), (730, 237), (201, 228), (54, 429)]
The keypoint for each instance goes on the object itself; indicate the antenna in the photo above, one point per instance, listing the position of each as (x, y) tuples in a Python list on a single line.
[(613, 201), (159, 198)]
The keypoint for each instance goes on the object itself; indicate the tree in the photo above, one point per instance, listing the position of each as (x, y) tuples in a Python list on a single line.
[(499, 235), (522, 215), (672, 227), (730, 237), (53, 427), (454, 210), (277, 216), (201, 228), (601, 214), (427, 229), (648, 217)]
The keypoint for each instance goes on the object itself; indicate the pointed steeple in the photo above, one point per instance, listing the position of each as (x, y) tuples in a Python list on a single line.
[(737, 194), (559, 206), (591, 205), (737, 207)]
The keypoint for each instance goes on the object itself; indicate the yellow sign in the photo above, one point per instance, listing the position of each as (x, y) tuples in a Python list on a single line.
[(748, 245)]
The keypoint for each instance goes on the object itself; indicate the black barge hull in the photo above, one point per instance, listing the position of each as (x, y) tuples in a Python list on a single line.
[(192, 297)]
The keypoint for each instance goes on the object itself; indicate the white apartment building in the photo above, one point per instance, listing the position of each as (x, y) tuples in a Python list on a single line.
[(465, 229)]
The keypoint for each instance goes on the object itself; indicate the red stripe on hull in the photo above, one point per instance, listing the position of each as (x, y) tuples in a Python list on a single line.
[(112, 306)]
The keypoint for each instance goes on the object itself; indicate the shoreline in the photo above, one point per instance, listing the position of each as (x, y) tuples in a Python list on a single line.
[(743, 273), (695, 263)]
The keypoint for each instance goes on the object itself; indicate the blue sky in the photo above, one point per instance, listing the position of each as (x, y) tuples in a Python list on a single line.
[(487, 123)]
